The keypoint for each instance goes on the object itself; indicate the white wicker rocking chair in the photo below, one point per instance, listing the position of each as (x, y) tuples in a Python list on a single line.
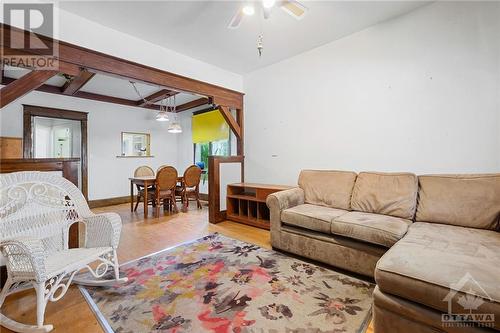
[(36, 211)]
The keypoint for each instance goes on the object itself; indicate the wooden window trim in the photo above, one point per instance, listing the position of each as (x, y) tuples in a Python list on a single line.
[(30, 111)]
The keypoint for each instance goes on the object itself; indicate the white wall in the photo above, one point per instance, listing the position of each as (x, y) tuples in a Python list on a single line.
[(417, 93), (107, 174)]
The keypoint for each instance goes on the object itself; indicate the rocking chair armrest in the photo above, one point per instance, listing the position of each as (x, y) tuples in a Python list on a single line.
[(25, 255), (103, 230)]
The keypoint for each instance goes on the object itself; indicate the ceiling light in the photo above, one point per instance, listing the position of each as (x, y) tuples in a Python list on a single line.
[(162, 116), (268, 3), (174, 127), (248, 10)]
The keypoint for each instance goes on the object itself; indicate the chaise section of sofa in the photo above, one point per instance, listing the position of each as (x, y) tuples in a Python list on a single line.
[(450, 256)]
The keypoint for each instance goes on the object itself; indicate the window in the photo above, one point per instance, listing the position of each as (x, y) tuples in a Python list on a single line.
[(210, 136), (205, 149)]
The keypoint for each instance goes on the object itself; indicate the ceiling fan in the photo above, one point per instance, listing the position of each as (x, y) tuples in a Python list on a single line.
[(292, 7)]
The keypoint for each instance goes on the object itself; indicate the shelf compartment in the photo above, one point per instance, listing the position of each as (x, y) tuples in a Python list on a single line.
[(243, 208), (233, 206), (263, 211), (252, 210)]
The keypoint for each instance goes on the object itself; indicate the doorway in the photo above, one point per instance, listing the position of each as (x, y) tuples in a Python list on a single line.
[(56, 133)]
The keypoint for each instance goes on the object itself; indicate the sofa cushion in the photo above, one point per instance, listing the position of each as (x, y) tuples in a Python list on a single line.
[(432, 257), (463, 200), (327, 188), (392, 194), (372, 228), (312, 217)]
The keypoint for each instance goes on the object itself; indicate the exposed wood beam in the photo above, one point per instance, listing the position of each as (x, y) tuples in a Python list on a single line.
[(87, 95), (157, 96), (17, 58), (75, 84), (193, 104), (70, 54), (224, 110), (24, 85)]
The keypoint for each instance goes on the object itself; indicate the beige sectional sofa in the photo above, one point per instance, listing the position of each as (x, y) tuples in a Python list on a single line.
[(417, 236)]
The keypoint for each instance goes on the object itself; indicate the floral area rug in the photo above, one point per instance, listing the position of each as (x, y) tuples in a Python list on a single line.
[(218, 284)]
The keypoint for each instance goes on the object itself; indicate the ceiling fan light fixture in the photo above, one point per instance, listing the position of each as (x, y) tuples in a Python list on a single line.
[(268, 3), (248, 10)]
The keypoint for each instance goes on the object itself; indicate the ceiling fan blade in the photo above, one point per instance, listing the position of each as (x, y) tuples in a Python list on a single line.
[(236, 20), (294, 8)]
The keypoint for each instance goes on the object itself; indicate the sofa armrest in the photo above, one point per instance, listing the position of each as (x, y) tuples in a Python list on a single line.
[(279, 201)]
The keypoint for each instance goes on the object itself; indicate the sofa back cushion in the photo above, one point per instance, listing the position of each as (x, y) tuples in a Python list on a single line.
[(462, 200), (393, 194), (327, 187)]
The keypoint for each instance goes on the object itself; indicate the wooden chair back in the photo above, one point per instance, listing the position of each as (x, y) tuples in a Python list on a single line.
[(166, 178), (192, 176), (160, 167), (143, 171)]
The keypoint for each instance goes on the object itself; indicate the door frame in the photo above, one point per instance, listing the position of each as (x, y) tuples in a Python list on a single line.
[(30, 111)]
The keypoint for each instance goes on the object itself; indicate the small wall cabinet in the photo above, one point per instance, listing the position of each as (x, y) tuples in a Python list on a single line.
[(246, 203)]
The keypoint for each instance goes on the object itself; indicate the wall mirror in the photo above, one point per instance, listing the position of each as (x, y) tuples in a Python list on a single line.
[(135, 144)]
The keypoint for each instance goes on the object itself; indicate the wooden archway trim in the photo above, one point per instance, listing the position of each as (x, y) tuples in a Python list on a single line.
[(71, 56)]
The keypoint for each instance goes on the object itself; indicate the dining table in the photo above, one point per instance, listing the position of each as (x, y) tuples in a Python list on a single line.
[(146, 182)]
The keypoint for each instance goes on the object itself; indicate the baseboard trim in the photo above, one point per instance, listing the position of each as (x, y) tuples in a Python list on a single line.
[(121, 200), (109, 201)]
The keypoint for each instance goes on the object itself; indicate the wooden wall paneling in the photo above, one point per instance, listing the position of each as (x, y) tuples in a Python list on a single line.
[(11, 147)]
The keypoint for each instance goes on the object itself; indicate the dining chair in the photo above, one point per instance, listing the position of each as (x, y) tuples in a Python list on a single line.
[(190, 187), (142, 171), (166, 180), (160, 167)]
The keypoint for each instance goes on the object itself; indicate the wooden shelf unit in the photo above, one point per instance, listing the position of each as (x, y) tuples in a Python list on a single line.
[(246, 203)]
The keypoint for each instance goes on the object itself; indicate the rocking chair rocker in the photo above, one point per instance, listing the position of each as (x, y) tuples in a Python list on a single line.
[(36, 211)]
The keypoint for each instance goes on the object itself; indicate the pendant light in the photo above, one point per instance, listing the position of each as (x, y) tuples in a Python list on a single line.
[(163, 113), (175, 125)]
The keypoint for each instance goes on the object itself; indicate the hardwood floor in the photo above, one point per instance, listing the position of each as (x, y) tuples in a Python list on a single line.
[(139, 238)]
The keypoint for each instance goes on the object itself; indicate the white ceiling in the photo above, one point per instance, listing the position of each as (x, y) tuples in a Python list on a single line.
[(199, 28)]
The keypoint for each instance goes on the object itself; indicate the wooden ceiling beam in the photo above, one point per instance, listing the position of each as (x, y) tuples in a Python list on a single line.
[(157, 96), (74, 85), (24, 85), (17, 58), (193, 104), (70, 54), (228, 117), (87, 95)]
